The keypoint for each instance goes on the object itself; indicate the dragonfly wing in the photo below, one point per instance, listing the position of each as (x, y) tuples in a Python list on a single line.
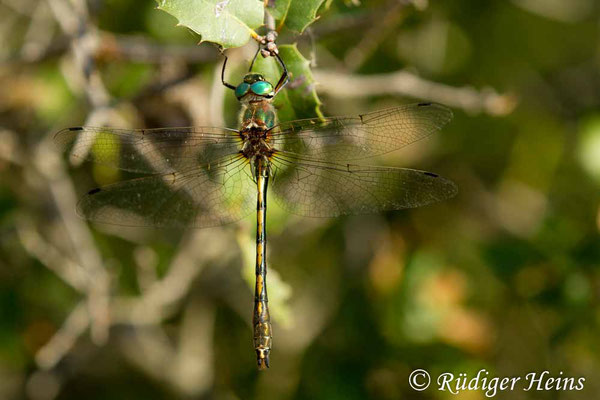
[(317, 189), (199, 197), (361, 136), (148, 150)]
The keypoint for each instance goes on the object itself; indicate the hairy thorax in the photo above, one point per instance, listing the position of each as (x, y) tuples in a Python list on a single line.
[(257, 118)]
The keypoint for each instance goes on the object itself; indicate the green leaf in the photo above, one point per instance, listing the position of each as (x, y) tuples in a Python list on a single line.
[(301, 88), (295, 14), (279, 9), (299, 98), (229, 23)]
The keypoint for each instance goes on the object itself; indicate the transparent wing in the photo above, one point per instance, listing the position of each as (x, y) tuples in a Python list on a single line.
[(318, 189), (361, 136), (148, 150), (199, 197)]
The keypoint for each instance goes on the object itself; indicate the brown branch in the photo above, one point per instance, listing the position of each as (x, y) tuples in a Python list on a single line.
[(64, 340), (73, 19), (65, 268), (372, 38), (403, 83), (139, 49)]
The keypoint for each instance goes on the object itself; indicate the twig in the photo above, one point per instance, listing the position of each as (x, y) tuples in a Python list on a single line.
[(338, 23), (51, 257), (98, 281), (403, 83), (373, 37), (140, 49), (313, 47), (9, 150), (22, 7), (6, 28), (269, 20), (146, 261), (190, 360), (160, 299), (74, 21), (160, 87), (64, 340), (38, 38), (84, 41)]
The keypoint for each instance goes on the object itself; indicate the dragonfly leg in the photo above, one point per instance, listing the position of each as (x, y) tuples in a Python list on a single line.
[(227, 85), (254, 58), (284, 77)]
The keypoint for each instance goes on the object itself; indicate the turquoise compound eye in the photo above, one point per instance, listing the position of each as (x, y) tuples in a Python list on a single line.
[(241, 90), (261, 88)]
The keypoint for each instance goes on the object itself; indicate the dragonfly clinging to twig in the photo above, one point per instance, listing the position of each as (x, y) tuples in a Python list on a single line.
[(203, 176)]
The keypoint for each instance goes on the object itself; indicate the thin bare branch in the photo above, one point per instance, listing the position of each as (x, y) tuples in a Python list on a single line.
[(140, 49), (373, 37), (39, 36), (51, 257), (403, 83), (64, 340), (63, 193)]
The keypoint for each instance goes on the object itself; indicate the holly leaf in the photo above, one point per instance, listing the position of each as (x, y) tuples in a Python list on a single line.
[(299, 98), (228, 23), (279, 9), (296, 15), (301, 88)]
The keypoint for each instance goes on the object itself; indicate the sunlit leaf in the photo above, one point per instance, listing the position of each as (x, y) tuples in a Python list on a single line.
[(229, 23), (103, 174), (279, 9), (589, 147), (295, 14), (301, 88)]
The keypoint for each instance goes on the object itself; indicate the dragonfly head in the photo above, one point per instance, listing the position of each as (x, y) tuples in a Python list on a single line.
[(262, 358), (255, 87)]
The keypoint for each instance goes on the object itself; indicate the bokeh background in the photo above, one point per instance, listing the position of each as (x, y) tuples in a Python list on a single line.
[(506, 276)]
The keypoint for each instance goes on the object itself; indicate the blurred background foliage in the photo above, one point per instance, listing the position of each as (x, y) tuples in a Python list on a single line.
[(504, 277)]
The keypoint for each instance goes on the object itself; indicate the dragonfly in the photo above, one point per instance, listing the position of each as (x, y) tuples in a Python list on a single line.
[(210, 176)]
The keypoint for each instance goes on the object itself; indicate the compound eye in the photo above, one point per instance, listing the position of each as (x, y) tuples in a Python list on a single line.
[(241, 90), (262, 88)]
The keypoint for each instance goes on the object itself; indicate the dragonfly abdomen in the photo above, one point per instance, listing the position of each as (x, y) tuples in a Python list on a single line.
[(261, 320)]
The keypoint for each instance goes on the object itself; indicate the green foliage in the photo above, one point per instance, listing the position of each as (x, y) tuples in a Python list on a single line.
[(227, 23), (504, 276), (301, 88), (589, 147), (295, 14), (232, 23), (279, 9)]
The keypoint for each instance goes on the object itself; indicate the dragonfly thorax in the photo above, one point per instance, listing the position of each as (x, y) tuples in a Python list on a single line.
[(256, 144), (256, 121), (259, 115)]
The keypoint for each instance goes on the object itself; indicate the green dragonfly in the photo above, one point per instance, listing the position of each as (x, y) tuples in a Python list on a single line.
[(202, 176)]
